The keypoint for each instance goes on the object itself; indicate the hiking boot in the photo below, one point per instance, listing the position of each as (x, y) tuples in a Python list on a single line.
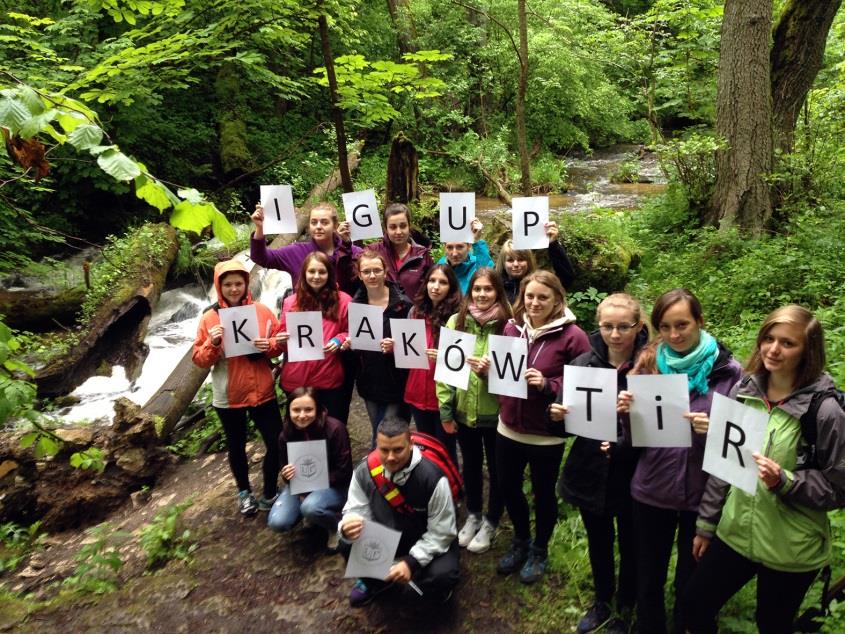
[(363, 594), (596, 616), (265, 504), (481, 542), (534, 566), (469, 530), (514, 559), (247, 504)]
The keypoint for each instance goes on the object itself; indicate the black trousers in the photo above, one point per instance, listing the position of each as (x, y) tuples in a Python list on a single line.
[(544, 461), (655, 530), (475, 442), (602, 535), (722, 572), (440, 575), (268, 420)]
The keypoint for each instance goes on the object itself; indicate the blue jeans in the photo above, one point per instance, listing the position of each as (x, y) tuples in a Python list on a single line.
[(321, 507)]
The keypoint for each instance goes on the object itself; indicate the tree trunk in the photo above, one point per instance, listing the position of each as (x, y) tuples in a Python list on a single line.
[(402, 171), (796, 58), (522, 141), (235, 157), (403, 24), (340, 130), (744, 118)]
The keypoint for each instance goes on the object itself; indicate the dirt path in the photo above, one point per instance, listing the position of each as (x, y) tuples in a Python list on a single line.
[(245, 577)]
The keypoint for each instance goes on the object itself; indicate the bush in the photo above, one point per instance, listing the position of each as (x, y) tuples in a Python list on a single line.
[(163, 540)]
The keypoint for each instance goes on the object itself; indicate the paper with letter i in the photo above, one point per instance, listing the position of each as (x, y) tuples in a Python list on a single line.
[(530, 216), (372, 553), (457, 211), (361, 211), (508, 362), (279, 212), (366, 326), (305, 335), (240, 329), (453, 350), (657, 411), (312, 466), (590, 396), (735, 432), (409, 343)]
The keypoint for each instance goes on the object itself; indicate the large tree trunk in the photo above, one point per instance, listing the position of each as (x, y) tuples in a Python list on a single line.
[(522, 141), (403, 24), (234, 154), (743, 118), (403, 171), (796, 58)]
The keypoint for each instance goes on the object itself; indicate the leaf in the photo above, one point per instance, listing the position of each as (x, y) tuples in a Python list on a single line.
[(13, 114), (36, 124), (85, 137), (194, 217), (28, 439), (117, 165), (191, 195), (70, 120), (155, 193), (31, 100)]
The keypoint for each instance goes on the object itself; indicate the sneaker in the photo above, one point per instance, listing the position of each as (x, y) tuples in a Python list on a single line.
[(362, 594), (265, 504), (471, 527), (481, 542), (616, 626), (247, 504), (514, 559), (596, 616), (534, 567)]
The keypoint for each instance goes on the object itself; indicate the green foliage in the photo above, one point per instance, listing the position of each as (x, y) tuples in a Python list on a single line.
[(98, 562), (17, 543), (16, 395), (584, 304), (691, 161), (190, 444), (626, 172), (92, 458), (163, 540)]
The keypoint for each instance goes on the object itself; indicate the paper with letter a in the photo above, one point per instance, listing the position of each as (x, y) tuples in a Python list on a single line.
[(305, 335), (279, 212), (312, 466), (735, 432), (590, 395), (508, 362), (409, 343), (657, 411), (240, 329), (372, 553), (530, 216), (452, 351), (457, 211), (361, 211), (366, 326)]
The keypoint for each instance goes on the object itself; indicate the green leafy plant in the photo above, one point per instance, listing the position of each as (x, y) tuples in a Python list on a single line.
[(163, 539), (98, 562), (17, 543), (92, 458), (584, 304)]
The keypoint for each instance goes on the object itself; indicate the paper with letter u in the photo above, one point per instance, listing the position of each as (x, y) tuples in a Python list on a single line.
[(372, 553)]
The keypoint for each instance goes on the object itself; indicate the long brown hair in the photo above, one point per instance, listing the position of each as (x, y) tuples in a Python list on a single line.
[(325, 300), (501, 299), (669, 299), (319, 421), (547, 279), (424, 308)]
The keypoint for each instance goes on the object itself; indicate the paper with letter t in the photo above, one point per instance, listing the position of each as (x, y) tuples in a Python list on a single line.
[(508, 362), (305, 335), (735, 432), (452, 351), (279, 212), (530, 216), (372, 553), (312, 466), (240, 328), (590, 395), (657, 411)]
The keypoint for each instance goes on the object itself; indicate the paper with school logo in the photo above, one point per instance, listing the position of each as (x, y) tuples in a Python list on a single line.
[(453, 349), (657, 411), (362, 215), (508, 362), (366, 326), (457, 211), (240, 329), (590, 396), (529, 218), (372, 553), (279, 212), (312, 466), (736, 431)]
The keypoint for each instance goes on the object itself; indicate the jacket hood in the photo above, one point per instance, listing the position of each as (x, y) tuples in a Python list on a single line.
[(230, 266), (797, 403)]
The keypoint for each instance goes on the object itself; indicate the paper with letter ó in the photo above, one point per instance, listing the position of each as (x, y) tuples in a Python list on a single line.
[(312, 466), (657, 411), (735, 432), (240, 329), (372, 553), (452, 351)]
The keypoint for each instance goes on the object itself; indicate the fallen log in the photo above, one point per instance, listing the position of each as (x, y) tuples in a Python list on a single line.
[(39, 309)]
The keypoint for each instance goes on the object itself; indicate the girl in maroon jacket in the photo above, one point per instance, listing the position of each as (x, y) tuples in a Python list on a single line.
[(407, 262)]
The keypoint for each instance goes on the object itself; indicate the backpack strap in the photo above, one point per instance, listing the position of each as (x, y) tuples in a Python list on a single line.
[(215, 307), (388, 490), (809, 425)]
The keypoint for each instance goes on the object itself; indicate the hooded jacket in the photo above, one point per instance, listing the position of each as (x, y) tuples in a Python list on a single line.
[(324, 373), (410, 273), (477, 257), (561, 265), (338, 449), (420, 390), (590, 480), (787, 528), (672, 478), (557, 344), (244, 381)]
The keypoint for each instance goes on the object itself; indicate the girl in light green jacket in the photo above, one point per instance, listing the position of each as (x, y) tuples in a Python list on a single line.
[(473, 413)]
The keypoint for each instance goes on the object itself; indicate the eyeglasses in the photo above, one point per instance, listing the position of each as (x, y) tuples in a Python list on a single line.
[(622, 329), (372, 272)]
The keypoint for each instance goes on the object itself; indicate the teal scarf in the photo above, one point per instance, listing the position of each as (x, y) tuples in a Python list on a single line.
[(696, 364)]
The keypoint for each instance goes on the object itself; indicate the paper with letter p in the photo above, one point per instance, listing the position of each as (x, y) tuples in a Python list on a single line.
[(590, 396), (240, 329), (735, 432), (452, 352), (372, 554), (366, 326), (508, 362), (457, 211), (305, 341), (409, 343), (530, 216), (279, 212), (657, 411), (312, 466), (361, 211)]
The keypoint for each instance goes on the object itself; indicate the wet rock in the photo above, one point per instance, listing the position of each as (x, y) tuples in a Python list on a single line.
[(76, 436)]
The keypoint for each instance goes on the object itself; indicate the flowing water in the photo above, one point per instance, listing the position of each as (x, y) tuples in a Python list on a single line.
[(174, 322)]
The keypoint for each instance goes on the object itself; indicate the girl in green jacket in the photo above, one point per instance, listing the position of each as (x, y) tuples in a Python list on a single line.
[(473, 413), (781, 535)]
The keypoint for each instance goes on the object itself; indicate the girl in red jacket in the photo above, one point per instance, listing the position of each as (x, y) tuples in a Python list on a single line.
[(242, 385)]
